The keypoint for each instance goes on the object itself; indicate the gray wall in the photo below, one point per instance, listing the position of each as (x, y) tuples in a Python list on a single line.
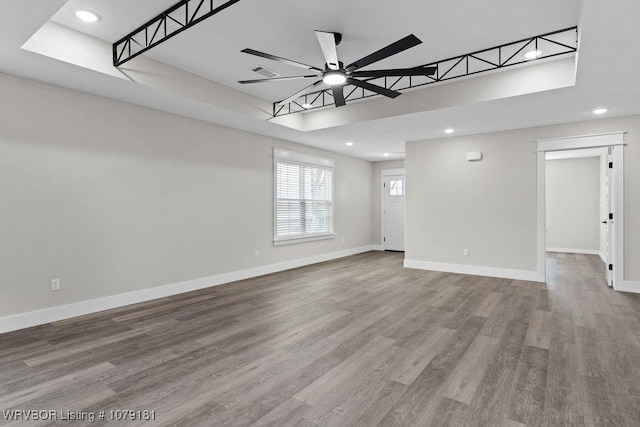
[(112, 198), (490, 206), (573, 204)]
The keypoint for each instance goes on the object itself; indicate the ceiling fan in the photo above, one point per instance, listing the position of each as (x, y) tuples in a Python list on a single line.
[(336, 75)]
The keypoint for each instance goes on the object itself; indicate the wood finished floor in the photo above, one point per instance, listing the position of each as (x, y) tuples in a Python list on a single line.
[(357, 341)]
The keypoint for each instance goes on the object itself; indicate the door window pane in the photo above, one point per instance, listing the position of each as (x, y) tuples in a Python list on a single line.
[(396, 188)]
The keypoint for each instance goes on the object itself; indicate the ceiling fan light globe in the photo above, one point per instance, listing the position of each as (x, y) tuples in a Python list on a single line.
[(334, 78)]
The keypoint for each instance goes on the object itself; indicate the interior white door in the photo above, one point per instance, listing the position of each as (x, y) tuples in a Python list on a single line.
[(394, 190), (609, 248)]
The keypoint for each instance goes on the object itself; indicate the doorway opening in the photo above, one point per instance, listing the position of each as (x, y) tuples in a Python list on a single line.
[(577, 204), (610, 191), (393, 209)]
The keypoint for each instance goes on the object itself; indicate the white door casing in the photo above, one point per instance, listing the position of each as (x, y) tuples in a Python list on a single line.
[(615, 143)]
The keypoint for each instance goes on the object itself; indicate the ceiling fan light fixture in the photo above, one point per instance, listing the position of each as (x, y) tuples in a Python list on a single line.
[(87, 16), (334, 78), (533, 54), (336, 75)]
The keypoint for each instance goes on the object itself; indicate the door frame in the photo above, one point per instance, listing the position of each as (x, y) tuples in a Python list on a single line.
[(384, 173), (614, 140)]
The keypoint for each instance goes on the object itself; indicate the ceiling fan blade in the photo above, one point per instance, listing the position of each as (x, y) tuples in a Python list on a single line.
[(328, 45), (244, 82), (300, 93), (279, 59), (374, 88), (394, 48), (338, 95), (417, 71)]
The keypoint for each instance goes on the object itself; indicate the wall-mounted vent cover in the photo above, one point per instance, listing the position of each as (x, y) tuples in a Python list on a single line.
[(265, 72)]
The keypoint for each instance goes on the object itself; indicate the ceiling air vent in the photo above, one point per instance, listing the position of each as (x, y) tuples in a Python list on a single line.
[(265, 72)]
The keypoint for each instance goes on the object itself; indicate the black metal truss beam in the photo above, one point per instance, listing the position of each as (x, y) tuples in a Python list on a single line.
[(505, 55), (169, 23)]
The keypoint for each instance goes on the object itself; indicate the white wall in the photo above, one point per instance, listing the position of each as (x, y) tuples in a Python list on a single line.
[(113, 198), (573, 205), (490, 206)]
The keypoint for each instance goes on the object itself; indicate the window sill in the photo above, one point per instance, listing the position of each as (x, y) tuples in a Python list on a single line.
[(292, 240)]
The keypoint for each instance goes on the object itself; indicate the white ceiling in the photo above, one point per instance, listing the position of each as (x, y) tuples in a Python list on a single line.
[(606, 73), (285, 28)]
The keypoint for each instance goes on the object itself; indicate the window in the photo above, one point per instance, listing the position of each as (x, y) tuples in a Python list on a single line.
[(303, 197), (396, 188)]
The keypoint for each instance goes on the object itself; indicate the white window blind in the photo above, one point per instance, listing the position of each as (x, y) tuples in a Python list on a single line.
[(303, 196)]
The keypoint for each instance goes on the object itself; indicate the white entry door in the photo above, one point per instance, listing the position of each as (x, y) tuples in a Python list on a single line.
[(609, 248), (394, 189)]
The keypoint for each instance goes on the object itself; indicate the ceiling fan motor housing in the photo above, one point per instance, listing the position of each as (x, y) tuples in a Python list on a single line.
[(340, 67)]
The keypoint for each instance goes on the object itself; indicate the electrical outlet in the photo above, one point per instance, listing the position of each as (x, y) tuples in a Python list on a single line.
[(256, 254), (466, 252), (55, 285)]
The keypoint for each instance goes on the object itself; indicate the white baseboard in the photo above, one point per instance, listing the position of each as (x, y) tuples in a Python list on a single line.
[(579, 251), (473, 270), (48, 315), (575, 251), (377, 248), (628, 286)]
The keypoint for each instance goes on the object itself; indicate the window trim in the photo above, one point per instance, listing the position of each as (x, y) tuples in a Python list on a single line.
[(294, 157)]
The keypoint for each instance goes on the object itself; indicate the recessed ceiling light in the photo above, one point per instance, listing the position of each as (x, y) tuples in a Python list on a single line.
[(386, 154), (306, 105), (449, 131), (600, 110), (349, 143), (334, 77), (87, 16), (533, 54)]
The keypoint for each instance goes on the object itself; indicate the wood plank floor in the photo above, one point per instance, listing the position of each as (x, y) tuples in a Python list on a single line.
[(357, 341)]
